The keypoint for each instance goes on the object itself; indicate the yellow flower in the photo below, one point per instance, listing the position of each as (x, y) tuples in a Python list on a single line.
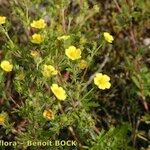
[(2, 20), (109, 38), (6, 66), (49, 71), (2, 118), (73, 53), (102, 81), (35, 54), (64, 37), (39, 24), (48, 114), (37, 38), (83, 64), (59, 92)]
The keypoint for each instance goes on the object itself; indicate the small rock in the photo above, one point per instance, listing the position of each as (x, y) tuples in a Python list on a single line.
[(146, 41)]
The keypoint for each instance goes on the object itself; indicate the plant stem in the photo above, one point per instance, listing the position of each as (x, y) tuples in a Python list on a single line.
[(8, 37)]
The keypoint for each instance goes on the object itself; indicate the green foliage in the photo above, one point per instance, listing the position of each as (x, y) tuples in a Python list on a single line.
[(114, 139), (25, 93), (142, 81)]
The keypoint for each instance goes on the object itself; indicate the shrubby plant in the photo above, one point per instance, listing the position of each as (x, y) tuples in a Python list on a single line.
[(53, 77)]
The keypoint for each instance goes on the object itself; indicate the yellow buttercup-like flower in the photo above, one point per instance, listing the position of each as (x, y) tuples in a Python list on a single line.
[(2, 20), (39, 24), (83, 64), (102, 81), (2, 118), (64, 37), (73, 53), (6, 66), (49, 71), (35, 54), (48, 114), (109, 38), (59, 92), (37, 38)]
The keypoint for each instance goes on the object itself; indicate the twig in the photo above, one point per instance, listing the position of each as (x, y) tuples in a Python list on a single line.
[(81, 3), (135, 132), (132, 38), (63, 19), (85, 71), (143, 98), (99, 69), (96, 130), (8, 86), (117, 5), (69, 24)]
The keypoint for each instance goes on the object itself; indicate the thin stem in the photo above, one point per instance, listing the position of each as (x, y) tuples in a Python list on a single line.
[(8, 37), (63, 19), (117, 5)]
